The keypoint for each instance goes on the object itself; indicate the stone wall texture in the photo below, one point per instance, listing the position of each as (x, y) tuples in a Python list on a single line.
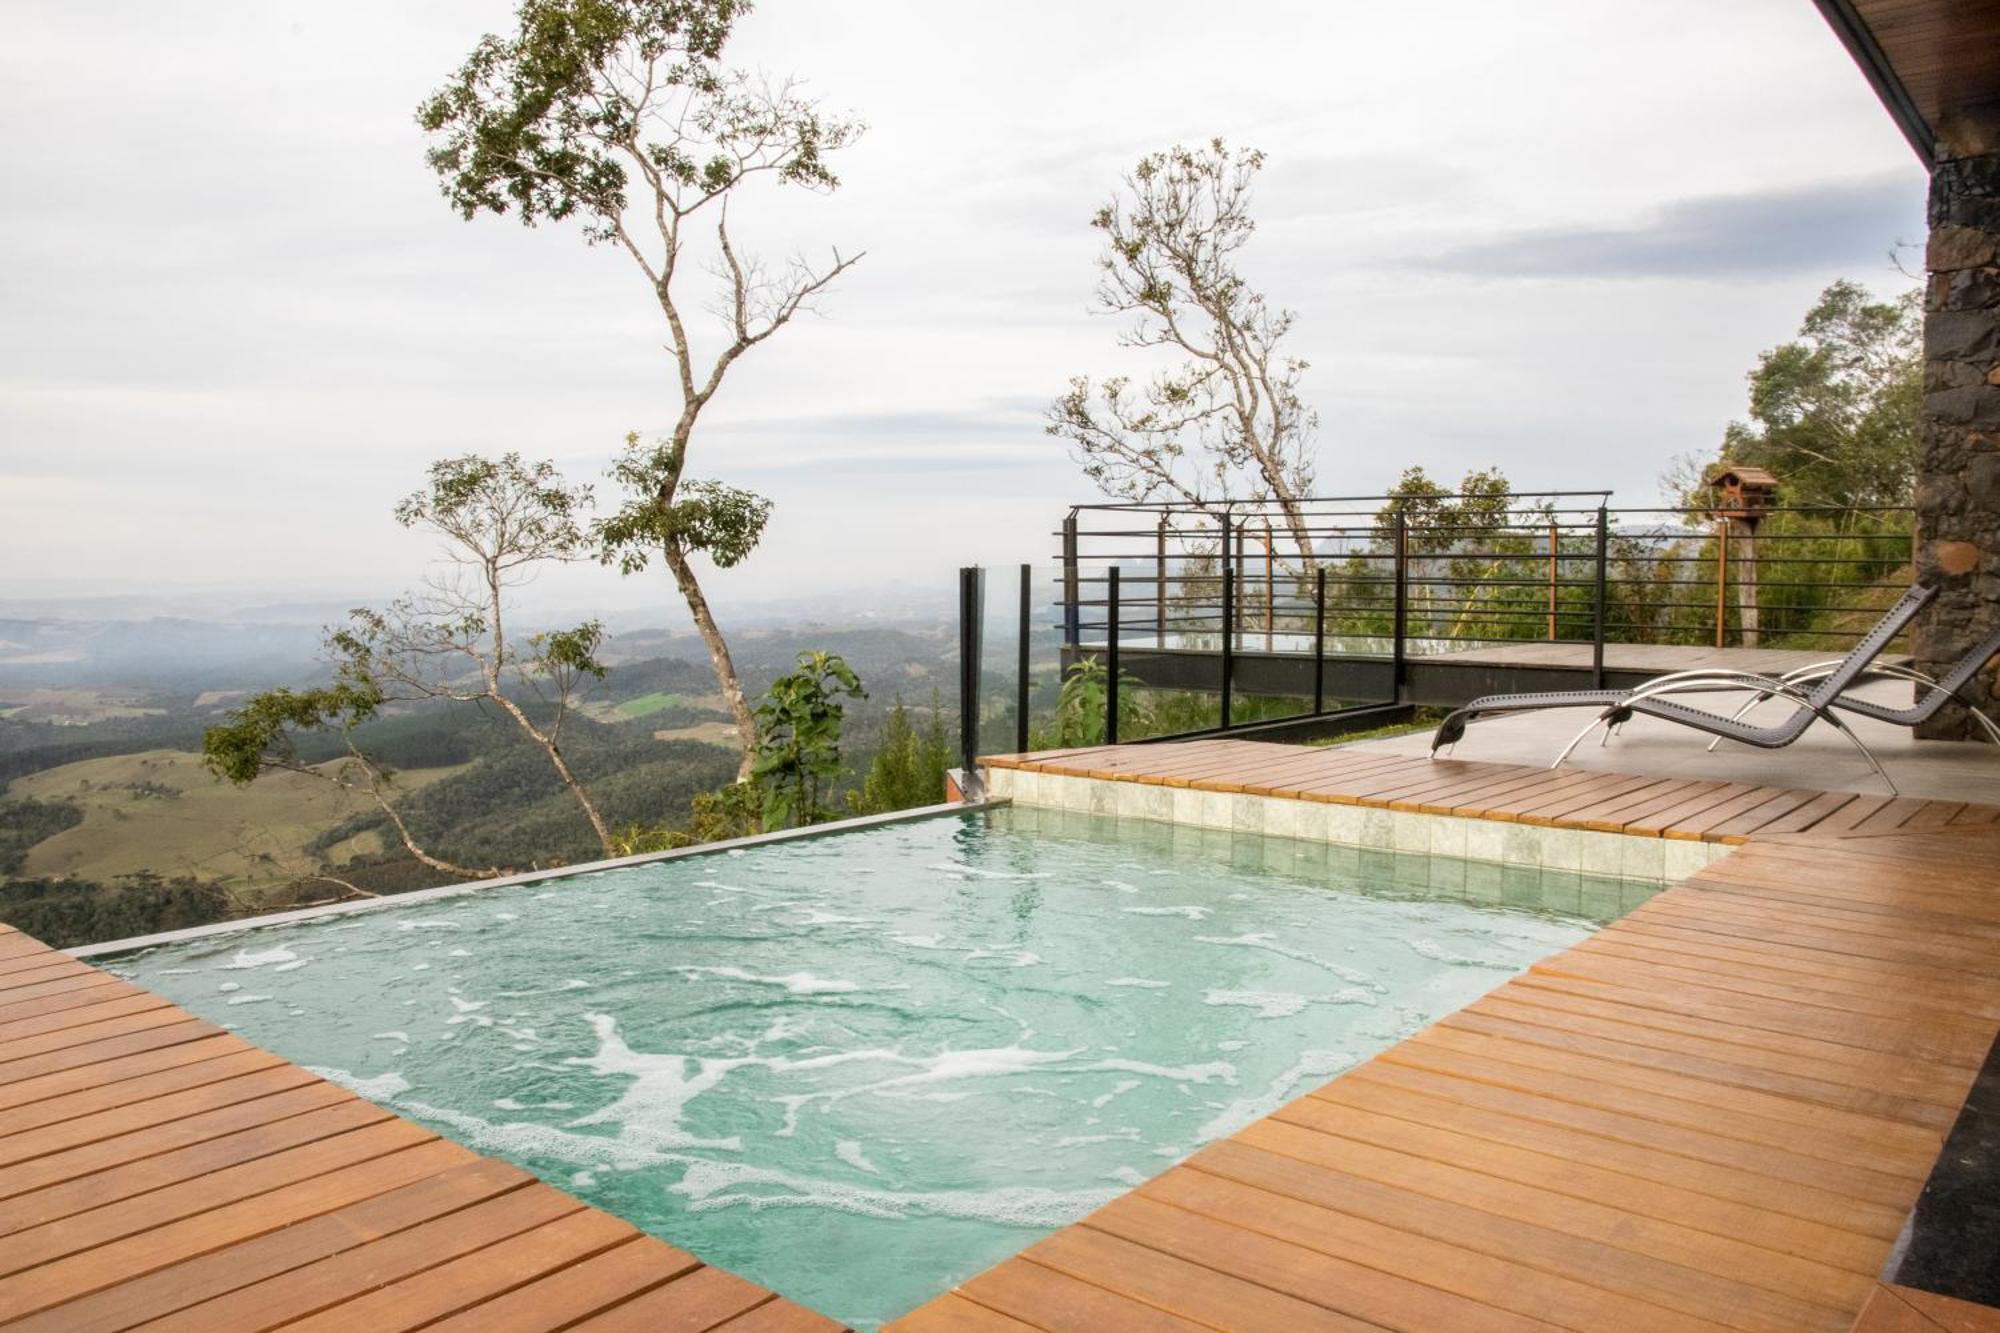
[(1958, 475)]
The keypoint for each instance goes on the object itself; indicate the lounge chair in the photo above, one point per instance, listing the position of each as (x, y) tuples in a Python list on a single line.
[(1812, 705), (1940, 690)]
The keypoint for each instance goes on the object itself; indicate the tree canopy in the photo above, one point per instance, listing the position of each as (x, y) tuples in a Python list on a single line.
[(620, 113), (1834, 412), (1226, 421)]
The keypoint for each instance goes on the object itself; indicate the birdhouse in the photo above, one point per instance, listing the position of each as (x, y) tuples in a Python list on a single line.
[(1742, 493)]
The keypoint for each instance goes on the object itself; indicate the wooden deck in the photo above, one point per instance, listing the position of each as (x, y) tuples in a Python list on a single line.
[(1713, 1114), (156, 1171)]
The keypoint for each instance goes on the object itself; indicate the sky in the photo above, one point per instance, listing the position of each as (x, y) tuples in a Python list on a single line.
[(237, 320)]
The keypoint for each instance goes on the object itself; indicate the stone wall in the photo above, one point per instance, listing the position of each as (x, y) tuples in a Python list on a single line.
[(1958, 474)]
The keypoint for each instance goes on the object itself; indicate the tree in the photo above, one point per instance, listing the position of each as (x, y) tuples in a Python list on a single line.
[(499, 520), (1436, 519), (262, 736), (1465, 551), (619, 113), (734, 811), (677, 519), (909, 767), (1834, 413), (798, 738), (1227, 421)]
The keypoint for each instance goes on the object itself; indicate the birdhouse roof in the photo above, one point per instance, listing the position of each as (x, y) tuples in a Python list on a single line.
[(1720, 474)]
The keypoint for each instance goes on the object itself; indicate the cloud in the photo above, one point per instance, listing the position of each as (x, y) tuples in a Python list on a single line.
[(1765, 233)]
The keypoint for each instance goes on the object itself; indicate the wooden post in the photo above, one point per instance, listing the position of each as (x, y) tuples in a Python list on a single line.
[(1721, 581)]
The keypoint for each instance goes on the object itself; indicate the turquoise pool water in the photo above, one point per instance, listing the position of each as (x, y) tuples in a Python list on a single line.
[(860, 1068)]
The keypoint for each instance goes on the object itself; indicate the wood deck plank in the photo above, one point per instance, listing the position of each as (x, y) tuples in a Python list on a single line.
[(1550, 1259), (1388, 1119), (706, 1298), (1580, 1218), (308, 1290), (1053, 1299), (1220, 1294), (132, 1178), (341, 1145), (156, 1171), (130, 1297), (575, 1291)]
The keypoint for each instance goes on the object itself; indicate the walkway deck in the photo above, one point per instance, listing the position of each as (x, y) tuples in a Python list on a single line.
[(1714, 1114), (156, 1171), (1640, 658)]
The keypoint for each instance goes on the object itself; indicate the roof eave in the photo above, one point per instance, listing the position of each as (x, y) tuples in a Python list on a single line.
[(1859, 39)]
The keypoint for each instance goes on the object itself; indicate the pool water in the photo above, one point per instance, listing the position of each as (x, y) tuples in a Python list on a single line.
[(860, 1068)]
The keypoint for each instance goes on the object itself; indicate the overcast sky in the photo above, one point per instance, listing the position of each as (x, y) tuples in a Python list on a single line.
[(239, 321)]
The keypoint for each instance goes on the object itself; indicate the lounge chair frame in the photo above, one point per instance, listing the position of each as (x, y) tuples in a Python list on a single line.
[(1828, 683)]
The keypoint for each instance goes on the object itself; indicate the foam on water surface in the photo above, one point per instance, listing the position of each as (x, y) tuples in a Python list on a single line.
[(860, 1069)]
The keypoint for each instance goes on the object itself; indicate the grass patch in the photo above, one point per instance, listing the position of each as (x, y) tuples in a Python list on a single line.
[(659, 701), (704, 733), (1425, 720), (160, 810)]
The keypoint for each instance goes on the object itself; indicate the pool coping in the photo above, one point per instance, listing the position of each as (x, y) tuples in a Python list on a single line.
[(240, 925)]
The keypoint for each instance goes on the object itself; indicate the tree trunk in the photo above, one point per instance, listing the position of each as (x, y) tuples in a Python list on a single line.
[(546, 740), (718, 656), (376, 782), (563, 771)]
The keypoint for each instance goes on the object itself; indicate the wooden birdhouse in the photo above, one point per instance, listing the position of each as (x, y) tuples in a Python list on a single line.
[(1741, 493)]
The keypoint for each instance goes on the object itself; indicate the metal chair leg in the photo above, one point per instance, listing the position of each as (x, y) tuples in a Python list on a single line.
[(1866, 753), (1578, 738)]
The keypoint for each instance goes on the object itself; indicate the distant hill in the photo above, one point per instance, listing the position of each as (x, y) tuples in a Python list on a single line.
[(102, 787)]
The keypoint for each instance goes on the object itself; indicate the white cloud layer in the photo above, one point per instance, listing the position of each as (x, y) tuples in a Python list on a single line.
[(239, 320)]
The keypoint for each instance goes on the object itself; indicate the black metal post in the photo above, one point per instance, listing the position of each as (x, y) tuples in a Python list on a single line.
[(1111, 657), (969, 619), (1319, 640), (1072, 617), (1402, 622), (1228, 624), (1597, 605), (1021, 682)]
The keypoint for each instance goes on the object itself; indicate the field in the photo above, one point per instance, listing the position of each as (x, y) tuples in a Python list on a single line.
[(708, 733), (656, 702), (160, 810), (74, 707)]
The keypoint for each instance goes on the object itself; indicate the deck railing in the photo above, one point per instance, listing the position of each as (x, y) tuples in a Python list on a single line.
[(1208, 598)]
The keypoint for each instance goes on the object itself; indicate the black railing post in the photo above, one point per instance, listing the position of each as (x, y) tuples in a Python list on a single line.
[(1597, 602), (1398, 650), (1071, 611), (1319, 640), (1111, 657), (969, 619), (1228, 624), (1022, 684)]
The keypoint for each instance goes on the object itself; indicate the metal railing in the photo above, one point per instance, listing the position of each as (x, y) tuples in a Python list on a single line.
[(1206, 597)]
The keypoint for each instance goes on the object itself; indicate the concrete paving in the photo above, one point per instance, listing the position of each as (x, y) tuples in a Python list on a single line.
[(1822, 759)]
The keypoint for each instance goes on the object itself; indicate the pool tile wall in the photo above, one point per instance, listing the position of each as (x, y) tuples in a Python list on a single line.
[(1478, 840)]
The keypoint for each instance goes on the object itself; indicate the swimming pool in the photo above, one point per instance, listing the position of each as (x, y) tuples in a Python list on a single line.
[(860, 1068)]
